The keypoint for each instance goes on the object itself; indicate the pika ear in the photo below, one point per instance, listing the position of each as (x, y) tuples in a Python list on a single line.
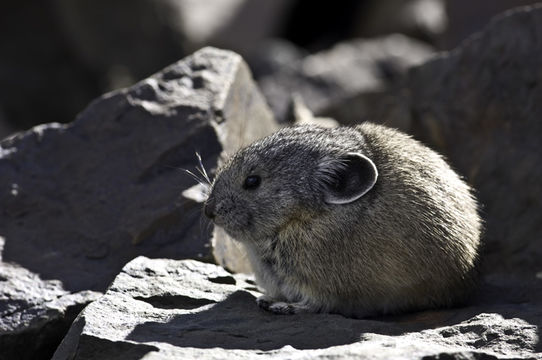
[(346, 179)]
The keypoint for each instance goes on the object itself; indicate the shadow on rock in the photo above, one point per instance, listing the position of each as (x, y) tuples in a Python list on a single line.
[(188, 309), (237, 323)]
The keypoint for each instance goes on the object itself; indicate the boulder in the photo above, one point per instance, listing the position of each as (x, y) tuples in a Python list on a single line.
[(272, 56), (167, 309), (81, 200), (58, 55), (131, 39), (467, 17), (328, 78), (34, 313), (422, 19), (480, 105)]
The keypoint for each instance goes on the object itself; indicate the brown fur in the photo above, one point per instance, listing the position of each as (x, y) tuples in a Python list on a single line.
[(410, 242)]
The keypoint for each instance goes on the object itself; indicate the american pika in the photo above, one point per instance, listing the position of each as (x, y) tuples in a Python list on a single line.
[(358, 221)]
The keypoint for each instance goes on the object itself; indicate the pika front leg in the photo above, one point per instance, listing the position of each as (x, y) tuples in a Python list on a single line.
[(264, 302), (283, 308)]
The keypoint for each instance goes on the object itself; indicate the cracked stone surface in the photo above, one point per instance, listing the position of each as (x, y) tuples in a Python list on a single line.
[(168, 309), (78, 201)]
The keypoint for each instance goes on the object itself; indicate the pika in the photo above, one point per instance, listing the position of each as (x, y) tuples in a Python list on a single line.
[(360, 221)]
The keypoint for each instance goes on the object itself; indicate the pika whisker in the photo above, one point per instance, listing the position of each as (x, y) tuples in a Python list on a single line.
[(195, 177), (201, 169)]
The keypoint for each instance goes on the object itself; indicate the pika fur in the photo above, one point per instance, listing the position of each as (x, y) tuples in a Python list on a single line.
[(358, 221)]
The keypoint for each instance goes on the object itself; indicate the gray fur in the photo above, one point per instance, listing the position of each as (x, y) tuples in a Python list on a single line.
[(410, 242)]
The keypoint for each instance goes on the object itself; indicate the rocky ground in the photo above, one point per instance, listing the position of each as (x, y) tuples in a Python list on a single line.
[(167, 309), (81, 202)]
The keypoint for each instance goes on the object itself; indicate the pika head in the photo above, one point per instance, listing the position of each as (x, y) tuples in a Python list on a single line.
[(357, 221), (290, 176)]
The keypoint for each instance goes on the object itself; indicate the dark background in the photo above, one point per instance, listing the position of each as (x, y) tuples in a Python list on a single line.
[(56, 56)]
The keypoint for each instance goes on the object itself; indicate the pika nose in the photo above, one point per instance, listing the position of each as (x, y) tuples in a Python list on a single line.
[(209, 208)]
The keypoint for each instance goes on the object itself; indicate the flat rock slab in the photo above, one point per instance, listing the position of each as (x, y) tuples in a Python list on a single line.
[(170, 309), (79, 201)]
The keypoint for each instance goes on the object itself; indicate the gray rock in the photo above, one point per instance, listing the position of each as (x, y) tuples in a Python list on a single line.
[(127, 40), (78, 201), (34, 313), (58, 55), (423, 19), (273, 55), (481, 106), (166, 309), (467, 17), (239, 25), (348, 69)]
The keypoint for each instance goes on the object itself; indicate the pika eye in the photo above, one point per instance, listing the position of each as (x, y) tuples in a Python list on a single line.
[(252, 182)]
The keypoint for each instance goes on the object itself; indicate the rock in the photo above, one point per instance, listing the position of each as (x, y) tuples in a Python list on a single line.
[(301, 115), (124, 41), (59, 55), (272, 56), (35, 314), (327, 78), (239, 25), (378, 105), (166, 309), (467, 17), (80, 200), (481, 105), (422, 19), (316, 25)]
